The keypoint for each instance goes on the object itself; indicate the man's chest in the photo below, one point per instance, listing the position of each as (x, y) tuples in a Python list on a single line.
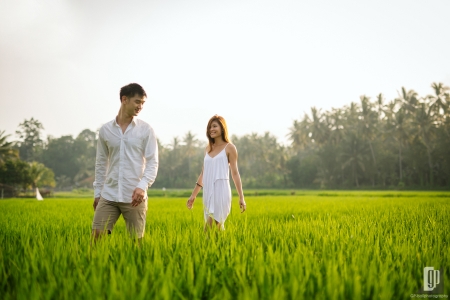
[(130, 141)]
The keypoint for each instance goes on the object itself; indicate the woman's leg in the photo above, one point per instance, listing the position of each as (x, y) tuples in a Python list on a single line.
[(211, 224)]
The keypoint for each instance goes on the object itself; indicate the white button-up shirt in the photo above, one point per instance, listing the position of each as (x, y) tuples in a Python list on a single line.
[(125, 161)]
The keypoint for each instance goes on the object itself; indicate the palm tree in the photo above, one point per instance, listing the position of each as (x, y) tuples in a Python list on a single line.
[(30, 133), (352, 115), (36, 171), (399, 127), (6, 150), (336, 125), (175, 162), (318, 130), (369, 120), (299, 133), (380, 106), (440, 104), (281, 167), (190, 143), (425, 124), (409, 100), (353, 154), (322, 177), (438, 100)]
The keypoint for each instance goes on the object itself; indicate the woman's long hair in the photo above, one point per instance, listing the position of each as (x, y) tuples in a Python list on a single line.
[(223, 126)]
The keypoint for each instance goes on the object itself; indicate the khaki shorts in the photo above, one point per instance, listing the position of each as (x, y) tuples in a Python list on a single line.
[(108, 212)]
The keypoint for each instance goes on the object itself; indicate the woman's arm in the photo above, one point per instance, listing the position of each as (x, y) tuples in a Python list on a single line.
[(232, 159), (197, 188)]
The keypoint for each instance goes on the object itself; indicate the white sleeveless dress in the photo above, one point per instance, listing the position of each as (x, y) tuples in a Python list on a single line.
[(216, 187)]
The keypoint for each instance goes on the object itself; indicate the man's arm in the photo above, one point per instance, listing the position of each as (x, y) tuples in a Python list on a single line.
[(101, 165), (151, 161)]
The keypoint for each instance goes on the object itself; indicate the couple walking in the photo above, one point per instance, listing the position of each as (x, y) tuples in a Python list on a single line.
[(127, 163)]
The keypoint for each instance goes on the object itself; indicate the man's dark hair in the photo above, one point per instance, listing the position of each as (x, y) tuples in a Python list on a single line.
[(131, 90)]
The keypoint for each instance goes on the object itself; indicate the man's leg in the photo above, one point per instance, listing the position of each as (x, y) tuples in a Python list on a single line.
[(106, 215), (135, 218)]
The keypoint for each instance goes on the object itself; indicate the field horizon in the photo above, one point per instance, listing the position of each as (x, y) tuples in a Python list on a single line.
[(179, 193)]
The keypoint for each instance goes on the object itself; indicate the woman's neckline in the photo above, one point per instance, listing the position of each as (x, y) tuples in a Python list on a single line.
[(218, 153)]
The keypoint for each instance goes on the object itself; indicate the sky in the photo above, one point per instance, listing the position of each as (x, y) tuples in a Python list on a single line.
[(260, 64)]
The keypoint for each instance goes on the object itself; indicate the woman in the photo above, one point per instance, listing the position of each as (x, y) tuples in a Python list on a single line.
[(220, 157)]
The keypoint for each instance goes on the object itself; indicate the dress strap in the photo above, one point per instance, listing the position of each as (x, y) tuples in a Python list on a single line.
[(226, 146)]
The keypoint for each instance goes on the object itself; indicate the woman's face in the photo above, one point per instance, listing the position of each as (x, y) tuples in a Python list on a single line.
[(215, 130)]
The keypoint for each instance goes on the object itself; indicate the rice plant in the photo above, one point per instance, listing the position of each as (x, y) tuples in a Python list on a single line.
[(312, 246)]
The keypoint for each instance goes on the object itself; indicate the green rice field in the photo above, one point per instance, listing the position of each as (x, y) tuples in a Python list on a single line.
[(311, 245)]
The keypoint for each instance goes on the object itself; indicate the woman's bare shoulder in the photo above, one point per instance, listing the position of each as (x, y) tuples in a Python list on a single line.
[(231, 147)]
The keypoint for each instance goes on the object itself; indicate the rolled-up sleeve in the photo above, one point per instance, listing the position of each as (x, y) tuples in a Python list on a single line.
[(151, 161), (101, 165)]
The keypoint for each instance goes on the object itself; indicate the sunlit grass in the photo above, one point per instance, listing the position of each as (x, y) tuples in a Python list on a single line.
[(336, 245)]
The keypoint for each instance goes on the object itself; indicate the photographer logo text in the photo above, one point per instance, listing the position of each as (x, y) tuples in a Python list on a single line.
[(431, 278)]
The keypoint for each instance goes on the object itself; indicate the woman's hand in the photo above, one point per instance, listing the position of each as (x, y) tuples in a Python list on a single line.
[(190, 202), (242, 204)]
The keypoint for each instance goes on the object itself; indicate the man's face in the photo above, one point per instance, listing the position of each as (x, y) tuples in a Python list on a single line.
[(133, 105)]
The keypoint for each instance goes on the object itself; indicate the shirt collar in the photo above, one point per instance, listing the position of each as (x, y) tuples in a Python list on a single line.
[(133, 121)]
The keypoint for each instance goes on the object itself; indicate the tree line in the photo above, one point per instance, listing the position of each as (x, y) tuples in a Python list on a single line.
[(31, 162), (403, 142), (372, 143)]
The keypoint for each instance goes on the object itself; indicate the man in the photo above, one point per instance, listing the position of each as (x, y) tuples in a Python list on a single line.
[(125, 166)]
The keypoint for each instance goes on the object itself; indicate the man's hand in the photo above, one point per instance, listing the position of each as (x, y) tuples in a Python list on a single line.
[(138, 197), (96, 202)]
